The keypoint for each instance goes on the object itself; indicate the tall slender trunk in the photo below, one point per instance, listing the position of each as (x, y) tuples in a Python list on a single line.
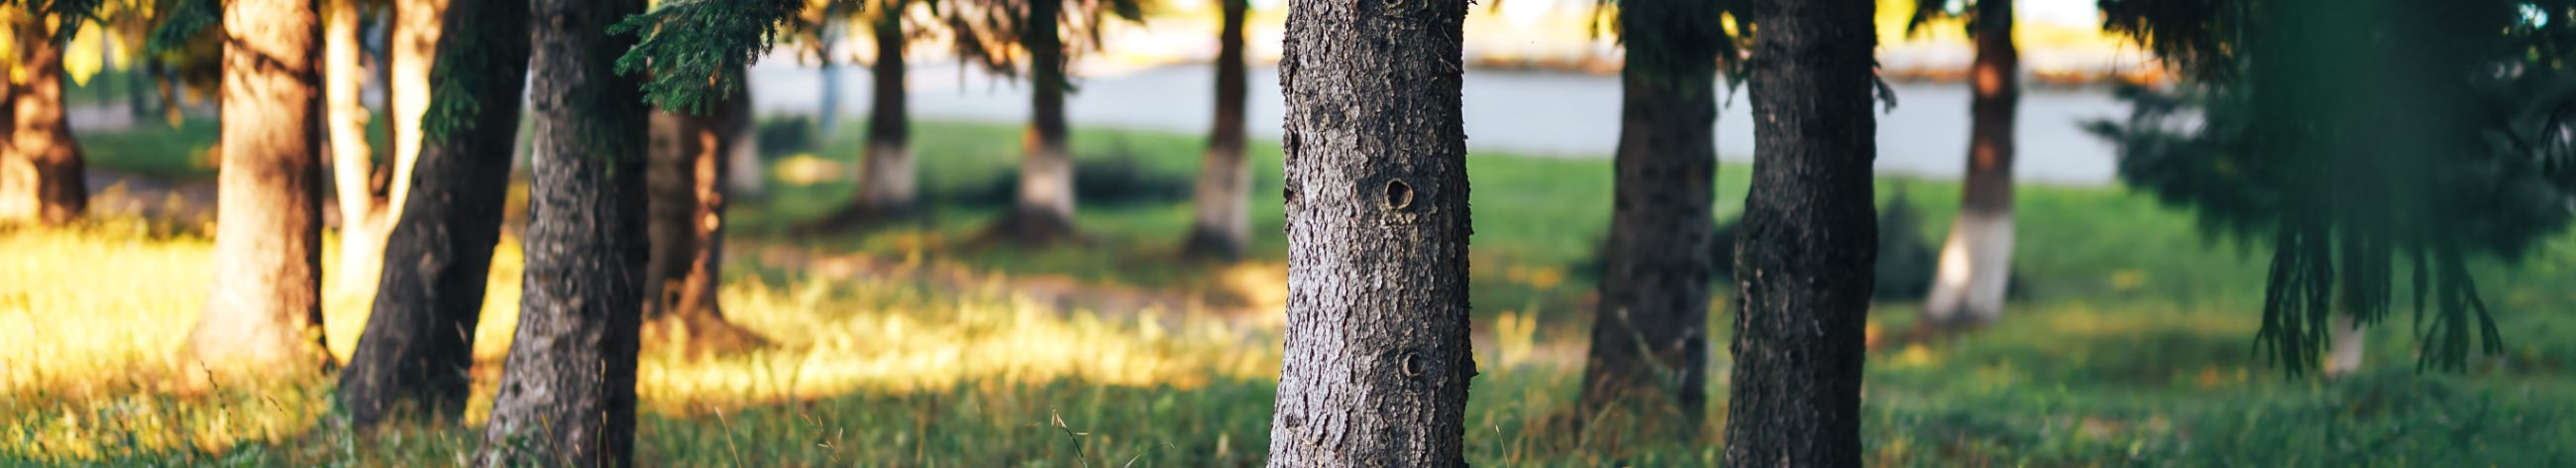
[(413, 359), (743, 175), (1224, 226), (886, 179), (1045, 209), (41, 167), (1649, 356), (1976, 261), (684, 183), (365, 213), (568, 397), (827, 48), (413, 49), (1377, 359), (264, 311), (1805, 250)]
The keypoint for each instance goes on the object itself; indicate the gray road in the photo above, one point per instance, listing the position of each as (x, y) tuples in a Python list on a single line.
[(1536, 113)]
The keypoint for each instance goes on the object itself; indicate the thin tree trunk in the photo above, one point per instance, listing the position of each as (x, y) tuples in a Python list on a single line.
[(1045, 210), (568, 397), (1647, 369), (1804, 253), (413, 50), (1224, 226), (1976, 261), (743, 175), (364, 209), (264, 311), (41, 166), (1377, 359), (686, 226), (827, 114), (413, 359), (886, 180)]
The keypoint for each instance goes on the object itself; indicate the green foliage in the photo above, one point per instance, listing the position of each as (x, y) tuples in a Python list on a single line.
[(185, 22), (2356, 135), (488, 53), (693, 51)]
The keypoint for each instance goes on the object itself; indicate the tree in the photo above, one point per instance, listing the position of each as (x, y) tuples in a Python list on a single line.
[(264, 310), (1044, 209), (568, 397), (414, 357), (1649, 353), (886, 178), (684, 180), (2307, 148), (372, 196), (41, 177), (1976, 261), (1804, 252), (1377, 359), (1224, 226)]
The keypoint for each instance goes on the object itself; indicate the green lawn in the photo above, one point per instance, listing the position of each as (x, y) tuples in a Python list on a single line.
[(2131, 345)]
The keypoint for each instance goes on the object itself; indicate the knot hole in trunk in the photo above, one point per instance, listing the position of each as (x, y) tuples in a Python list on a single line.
[(1399, 195)]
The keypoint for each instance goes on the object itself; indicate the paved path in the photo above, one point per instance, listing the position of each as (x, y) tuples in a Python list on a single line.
[(1539, 113)]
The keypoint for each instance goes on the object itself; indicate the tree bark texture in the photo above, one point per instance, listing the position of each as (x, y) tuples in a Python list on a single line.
[(413, 359), (41, 166), (886, 178), (1976, 261), (568, 397), (264, 310), (1649, 351), (1224, 226), (1044, 212), (1804, 253), (1377, 359), (686, 225)]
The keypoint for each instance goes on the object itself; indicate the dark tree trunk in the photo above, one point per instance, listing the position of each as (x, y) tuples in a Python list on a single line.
[(41, 176), (413, 359), (1803, 256), (1044, 212), (1649, 355), (568, 397), (1224, 226), (1377, 360), (264, 311), (685, 185), (886, 179), (1976, 261)]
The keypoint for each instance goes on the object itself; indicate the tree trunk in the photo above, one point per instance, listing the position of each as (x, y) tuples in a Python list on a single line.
[(1044, 213), (264, 311), (1224, 226), (568, 397), (1976, 262), (413, 50), (41, 173), (1649, 355), (886, 179), (1377, 358), (1805, 250), (413, 359), (827, 48), (685, 186), (364, 209), (743, 175)]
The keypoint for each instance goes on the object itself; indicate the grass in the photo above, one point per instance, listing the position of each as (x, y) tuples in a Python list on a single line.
[(2133, 344)]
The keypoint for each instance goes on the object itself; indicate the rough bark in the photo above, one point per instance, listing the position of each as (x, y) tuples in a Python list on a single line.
[(1976, 262), (366, 212), (1377, 359), (413, 359), (1044, 212), (886, 180), (264, 310), (685, 221), (1803, 254), (41, 167), (568, 397), (1224, 226), (1647, 372)]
